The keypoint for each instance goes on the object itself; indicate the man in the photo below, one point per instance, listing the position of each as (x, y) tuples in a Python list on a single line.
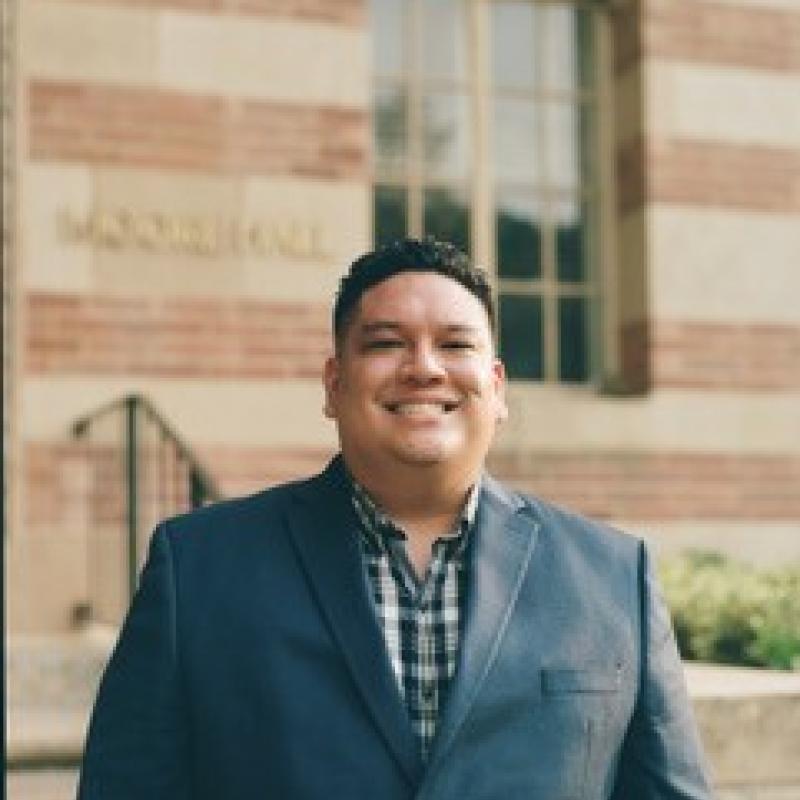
[(400, 626)]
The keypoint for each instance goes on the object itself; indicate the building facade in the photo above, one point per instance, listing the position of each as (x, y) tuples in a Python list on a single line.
[(186, 180)]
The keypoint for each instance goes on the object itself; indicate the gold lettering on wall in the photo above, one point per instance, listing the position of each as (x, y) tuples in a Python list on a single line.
[(157, 232)]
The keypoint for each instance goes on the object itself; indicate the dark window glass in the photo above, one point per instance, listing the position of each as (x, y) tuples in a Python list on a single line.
[(573, 361), (447, 217), (389, 126), (518, 226), (570, 243), (521, 347), (391, 215)]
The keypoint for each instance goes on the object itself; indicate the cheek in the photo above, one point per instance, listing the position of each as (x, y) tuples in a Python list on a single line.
[(475, 378)]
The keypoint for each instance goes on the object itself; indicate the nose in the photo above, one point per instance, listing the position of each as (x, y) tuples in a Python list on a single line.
[(422, 365)]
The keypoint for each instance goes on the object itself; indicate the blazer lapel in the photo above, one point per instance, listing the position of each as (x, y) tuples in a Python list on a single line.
[(323, 531), (504, 538)]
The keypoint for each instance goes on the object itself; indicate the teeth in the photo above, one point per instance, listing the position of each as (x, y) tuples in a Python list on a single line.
[(418, 409)]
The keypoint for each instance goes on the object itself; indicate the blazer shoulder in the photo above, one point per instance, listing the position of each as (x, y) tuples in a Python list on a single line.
[(260, 511), (576, 530)]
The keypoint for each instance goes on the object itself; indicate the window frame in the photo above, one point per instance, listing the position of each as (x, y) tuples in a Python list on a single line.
[(600, 285)]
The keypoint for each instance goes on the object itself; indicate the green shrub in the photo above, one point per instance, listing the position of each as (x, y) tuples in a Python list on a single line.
[(732, 613)]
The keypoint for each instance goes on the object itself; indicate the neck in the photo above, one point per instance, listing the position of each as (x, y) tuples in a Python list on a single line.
[(420, 498)]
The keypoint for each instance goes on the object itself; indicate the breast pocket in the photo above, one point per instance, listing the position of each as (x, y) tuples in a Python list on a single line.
[(577, 703), (588, 680)]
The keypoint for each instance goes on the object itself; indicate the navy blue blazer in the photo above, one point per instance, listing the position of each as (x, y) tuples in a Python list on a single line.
[(252, 666)]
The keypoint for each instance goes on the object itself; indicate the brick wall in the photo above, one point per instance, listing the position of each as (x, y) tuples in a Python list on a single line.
[(650, 487), (722, 33), (709, 174), (175, 337), (661, 486), (348, 12), (147, 127), (712, 355), (659, 166)]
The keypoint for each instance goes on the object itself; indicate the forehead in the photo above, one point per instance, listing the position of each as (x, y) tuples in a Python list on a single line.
[(421, 298)]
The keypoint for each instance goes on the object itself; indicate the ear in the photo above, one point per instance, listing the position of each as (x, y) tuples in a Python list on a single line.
[(499, 378), (331, 381)]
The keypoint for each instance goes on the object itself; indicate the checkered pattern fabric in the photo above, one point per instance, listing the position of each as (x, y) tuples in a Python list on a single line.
[(421, 619)]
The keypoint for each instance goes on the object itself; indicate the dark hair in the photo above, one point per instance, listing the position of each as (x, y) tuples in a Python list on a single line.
[(408, 255)]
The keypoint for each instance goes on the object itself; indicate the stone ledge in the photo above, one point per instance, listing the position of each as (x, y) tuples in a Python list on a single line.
[(749, 722), (749, 719)]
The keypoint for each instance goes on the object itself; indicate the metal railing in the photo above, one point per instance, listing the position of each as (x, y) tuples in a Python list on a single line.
[(140, 471)]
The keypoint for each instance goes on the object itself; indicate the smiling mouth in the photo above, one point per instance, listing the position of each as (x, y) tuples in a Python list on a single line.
[(421, 408)]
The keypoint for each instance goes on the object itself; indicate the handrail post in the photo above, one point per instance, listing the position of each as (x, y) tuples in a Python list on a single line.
[(132, 468)]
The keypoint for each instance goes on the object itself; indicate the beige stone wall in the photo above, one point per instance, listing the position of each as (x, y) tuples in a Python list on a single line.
[(709, 184), (192, 178)]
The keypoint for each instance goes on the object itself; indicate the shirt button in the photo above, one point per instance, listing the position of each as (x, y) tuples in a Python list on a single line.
[(428, 692)]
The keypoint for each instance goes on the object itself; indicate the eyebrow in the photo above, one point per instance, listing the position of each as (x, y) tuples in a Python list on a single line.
[(379, 326), (367, 328)]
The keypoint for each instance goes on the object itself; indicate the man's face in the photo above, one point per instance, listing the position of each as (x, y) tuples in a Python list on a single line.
[(415, 381)]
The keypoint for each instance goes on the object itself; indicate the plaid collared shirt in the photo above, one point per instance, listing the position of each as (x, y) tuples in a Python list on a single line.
[(421, 619)]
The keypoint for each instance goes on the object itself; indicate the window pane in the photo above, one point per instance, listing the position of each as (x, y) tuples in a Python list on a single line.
[(446, 140), (571, 231), (513, 45), (447, 217), (573, 361), (585, 49), (518, 226), (562, 126), (388, 35), (515, 141), (444, 46), (567, 47), (390, 130), (521, 336), (391, 214)]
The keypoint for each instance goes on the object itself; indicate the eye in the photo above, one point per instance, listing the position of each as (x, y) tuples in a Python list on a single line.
[(382, 344), (458, 344)]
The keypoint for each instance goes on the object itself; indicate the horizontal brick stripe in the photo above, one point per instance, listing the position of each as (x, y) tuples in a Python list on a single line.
[(651, 487), (607, 485), (712, 356), (711, 174), (245, 470), (719, 33), (176, 338), (83, 482), (75, 483), (146, 127), (347, 12)]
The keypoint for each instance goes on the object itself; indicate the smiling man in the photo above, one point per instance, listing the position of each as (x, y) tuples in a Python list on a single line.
[(401, 625)]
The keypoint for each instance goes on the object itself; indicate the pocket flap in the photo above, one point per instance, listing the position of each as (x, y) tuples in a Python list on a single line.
[(596, 679)]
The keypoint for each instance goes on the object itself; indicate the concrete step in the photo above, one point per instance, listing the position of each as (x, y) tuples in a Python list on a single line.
[(42, 784), (51, 682)]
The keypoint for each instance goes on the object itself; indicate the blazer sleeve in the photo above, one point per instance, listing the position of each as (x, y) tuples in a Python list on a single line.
[(137, 745), (661, 757)]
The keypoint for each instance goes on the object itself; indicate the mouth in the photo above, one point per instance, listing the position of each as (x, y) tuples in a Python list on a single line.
[(421, 408)]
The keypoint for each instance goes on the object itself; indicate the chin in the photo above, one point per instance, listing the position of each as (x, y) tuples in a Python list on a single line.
[(426, 455)]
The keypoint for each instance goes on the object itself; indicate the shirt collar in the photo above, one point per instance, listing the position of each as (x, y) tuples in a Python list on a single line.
[(377, 526)]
